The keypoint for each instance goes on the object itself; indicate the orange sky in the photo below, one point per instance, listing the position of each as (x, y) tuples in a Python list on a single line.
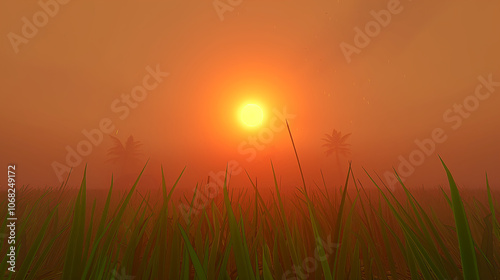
[(395, 89)]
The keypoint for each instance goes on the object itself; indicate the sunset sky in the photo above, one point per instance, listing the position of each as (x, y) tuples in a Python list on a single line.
[(430, 71)]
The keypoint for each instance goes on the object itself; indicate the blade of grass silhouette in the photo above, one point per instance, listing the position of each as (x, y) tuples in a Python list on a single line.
[(216, 245), (74, 255), (448, 200), (370, 230), (266, 272), (93, 252), (492, 210), (420, 215), (200, 273), (466, 243), (166, 197), (116, 220), (163, 218), (106, 209), (42, 257), (64, 184), (486, 267), (185, 269), (324, 263), (86, 246), (340, 261), (388, 249), (31, 256), (130, 254), (356, 268), (262, 202), (244, 266), (336, 229), (297, 157), (411, 235)]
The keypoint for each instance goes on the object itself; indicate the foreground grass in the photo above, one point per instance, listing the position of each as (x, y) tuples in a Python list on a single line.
[(225, 235), (320, 233)]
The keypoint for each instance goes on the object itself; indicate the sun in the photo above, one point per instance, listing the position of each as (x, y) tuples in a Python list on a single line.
[(252, 115)]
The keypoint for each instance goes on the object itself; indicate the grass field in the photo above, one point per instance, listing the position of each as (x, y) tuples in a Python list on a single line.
[(318, 232)]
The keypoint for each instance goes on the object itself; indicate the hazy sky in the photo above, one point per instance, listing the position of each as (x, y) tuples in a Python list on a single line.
[(330, 65)]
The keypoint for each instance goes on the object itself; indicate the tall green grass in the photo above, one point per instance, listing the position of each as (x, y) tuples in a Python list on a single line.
[(371, 233)]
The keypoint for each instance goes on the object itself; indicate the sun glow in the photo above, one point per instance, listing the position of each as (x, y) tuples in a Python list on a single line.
[(252, 115)]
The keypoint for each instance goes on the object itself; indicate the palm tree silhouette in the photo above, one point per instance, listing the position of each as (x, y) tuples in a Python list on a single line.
[(336, 143), (126, 156)]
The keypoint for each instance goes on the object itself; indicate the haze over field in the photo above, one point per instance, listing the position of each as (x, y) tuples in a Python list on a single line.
[(176, 74)]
